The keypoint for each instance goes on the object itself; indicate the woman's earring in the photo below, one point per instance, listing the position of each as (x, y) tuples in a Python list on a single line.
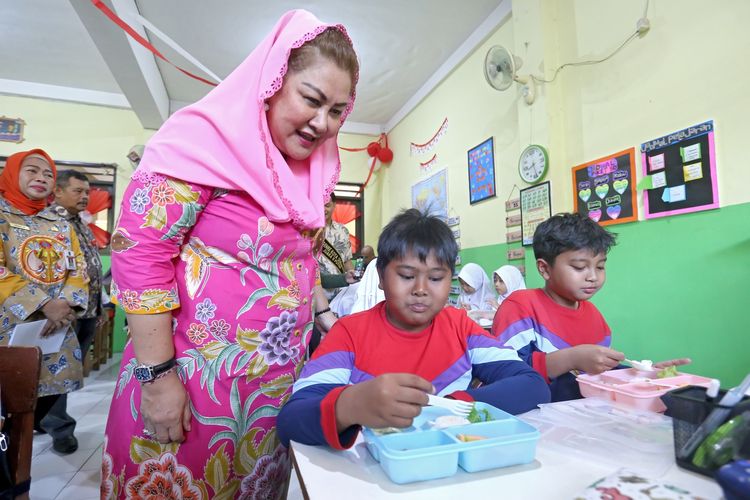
[(266, 106)]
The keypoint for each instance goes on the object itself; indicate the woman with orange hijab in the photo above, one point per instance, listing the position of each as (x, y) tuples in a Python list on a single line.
[(42, 269)]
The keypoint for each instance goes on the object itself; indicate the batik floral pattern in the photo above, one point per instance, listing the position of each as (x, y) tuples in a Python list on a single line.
[(238, 288)]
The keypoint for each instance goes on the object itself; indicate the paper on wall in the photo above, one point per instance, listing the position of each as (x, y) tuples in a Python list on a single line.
[(693, 171), (659, 180), (656, 162), (691, 153)]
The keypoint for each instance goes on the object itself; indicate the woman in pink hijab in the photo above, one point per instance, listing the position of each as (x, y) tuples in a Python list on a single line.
[(213, 262)]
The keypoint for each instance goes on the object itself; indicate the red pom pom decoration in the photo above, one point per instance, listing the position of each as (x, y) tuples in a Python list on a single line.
[(385, 155), (373, 149)]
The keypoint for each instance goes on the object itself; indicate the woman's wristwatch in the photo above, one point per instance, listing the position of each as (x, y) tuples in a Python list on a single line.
[(145, 374)]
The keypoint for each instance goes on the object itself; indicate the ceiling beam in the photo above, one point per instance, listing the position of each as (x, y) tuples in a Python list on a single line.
[(132, 66)]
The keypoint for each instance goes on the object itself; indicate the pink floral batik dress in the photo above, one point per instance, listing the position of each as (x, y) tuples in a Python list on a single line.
[(239, 290)]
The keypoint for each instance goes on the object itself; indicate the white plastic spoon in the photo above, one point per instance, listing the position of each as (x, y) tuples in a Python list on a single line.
[(644, 366)]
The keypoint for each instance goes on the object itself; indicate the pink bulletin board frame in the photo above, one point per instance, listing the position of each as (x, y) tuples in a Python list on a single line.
[(673, 142)]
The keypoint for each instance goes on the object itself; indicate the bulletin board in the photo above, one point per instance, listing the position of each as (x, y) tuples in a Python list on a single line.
[(536, 207), (604, 189), (680, 172)]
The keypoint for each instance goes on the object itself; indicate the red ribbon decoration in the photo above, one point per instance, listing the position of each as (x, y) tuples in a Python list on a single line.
[(99, 200), (377, 151), (344, 213), (99, 4)]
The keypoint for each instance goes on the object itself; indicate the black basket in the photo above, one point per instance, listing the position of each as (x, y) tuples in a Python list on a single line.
[(688, 408)]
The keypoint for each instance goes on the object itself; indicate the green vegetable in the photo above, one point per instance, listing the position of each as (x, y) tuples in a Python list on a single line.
[(670, 371), (477, 415)]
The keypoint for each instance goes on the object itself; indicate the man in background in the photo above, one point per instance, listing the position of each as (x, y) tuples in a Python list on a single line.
[(336, 254), (71, 199), (367, 253)]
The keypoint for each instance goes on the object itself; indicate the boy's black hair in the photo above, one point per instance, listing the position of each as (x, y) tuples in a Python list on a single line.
[(64, 176), (563, 232), (414, 231)]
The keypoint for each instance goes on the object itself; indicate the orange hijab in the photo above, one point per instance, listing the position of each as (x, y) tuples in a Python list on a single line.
[(9, 182)]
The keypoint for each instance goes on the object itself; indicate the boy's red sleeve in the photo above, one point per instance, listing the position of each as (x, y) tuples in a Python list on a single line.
[(539, 363), (328, 421)]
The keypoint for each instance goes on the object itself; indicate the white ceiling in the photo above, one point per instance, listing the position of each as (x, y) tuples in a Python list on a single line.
[(68, 50)]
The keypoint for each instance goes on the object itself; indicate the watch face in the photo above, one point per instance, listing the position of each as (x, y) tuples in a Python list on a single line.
[(143, 373), (533, 164)]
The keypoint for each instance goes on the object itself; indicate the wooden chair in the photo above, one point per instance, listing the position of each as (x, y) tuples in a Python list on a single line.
[(19, 379)]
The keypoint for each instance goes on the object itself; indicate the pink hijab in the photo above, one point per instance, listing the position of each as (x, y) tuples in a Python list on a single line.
[(223, 140)]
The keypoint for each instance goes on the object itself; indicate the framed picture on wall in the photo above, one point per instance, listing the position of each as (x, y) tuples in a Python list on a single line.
[(481, 171), (536, 207), (604, 189)]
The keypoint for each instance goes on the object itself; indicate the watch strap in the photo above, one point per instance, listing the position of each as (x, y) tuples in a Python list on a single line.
[(158, 371)]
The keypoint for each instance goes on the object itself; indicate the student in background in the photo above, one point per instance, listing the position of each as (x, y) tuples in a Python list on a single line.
[(556, 329), (507, 279), (477, 293), (42, 276), (376, 368), (367, 253)]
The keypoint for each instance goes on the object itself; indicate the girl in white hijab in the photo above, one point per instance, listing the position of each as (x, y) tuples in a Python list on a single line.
[(477, 293), (507, 280)]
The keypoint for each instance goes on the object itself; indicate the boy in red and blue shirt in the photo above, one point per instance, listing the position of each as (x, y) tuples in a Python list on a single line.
[(375, 368), (555, 329)]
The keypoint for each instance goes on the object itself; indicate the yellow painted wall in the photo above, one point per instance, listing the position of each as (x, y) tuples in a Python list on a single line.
[(76, 132), (690, 67), (98, 134)]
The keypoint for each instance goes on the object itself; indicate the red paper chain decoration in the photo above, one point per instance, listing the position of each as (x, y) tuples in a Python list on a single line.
[(427, 146)]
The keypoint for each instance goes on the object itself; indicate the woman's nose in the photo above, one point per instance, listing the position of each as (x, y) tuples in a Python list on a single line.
[(319, 122)]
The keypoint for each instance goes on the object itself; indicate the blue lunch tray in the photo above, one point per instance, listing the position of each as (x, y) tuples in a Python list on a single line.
[(420, 452)]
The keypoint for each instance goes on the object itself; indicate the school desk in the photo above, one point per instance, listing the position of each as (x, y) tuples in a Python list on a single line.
[(327, 474)]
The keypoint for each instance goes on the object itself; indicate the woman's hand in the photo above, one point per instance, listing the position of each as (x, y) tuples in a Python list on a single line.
[(165, 409), (58, 314), (350, 277)]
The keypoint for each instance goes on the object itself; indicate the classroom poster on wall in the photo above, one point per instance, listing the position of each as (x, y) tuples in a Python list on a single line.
[(431, 195), (481, 160), (679, 172), (536, 207), (604, 189)]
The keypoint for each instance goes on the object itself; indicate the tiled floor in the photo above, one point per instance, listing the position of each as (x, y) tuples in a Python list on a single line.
[(76, 476)]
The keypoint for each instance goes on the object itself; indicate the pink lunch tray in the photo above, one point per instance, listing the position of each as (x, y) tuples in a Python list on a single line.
[(637, 389)]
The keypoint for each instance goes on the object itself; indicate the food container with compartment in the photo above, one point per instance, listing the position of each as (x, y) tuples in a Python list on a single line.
[(636, 389), (422, 452)]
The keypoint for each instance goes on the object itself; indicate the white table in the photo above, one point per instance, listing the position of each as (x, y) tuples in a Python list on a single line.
[(328, 474)]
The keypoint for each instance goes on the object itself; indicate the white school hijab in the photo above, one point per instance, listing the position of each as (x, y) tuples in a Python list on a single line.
[(512, 278), (483, 299)]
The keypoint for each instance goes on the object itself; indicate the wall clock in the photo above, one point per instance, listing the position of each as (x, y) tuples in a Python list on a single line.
[(533, 163)]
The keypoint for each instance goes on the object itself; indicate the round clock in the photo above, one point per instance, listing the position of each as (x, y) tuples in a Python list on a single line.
[(533, 163)]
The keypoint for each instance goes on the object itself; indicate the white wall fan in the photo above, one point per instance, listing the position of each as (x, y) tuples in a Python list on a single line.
[(500, 67)]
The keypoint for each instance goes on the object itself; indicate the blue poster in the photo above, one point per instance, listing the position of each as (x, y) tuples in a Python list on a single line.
[(481, 172)]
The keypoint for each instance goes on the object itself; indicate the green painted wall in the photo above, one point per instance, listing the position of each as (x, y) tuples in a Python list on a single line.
[(676, 286), (118, 342)]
